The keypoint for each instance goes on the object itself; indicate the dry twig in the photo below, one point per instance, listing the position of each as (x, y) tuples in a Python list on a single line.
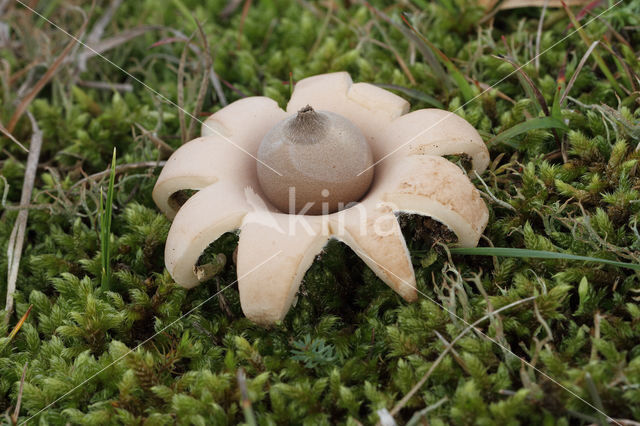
[(16, 240), (120, 169), (112, 42), (164, 148), (16, 411), (105, 85), (95, 35), (24, 103)]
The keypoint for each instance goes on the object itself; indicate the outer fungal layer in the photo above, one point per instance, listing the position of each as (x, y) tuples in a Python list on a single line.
[(311, 163), (275, 249)]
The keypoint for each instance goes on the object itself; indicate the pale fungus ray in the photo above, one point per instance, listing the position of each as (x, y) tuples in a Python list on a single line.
[(346, 158), (267, 293), (212, 157)]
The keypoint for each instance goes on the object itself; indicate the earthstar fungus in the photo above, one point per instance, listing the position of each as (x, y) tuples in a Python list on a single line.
[(408, 172)]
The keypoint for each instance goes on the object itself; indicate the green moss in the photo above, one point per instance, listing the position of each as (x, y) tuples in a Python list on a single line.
[(350, 346)]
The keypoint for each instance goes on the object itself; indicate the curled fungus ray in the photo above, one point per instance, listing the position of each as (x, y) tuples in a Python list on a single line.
[(410, 175)]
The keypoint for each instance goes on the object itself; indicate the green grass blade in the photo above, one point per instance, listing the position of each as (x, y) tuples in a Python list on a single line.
[(538, 254), (290, 83), (106, 210), (463, 85), (427, 54), (525, 81), (596, 56), (556, 107), (577, 71), (186, 12), (518, 129), (48, 10), (414, 94)]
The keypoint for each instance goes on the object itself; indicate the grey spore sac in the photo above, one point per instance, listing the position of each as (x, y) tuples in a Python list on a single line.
[(319, 154)]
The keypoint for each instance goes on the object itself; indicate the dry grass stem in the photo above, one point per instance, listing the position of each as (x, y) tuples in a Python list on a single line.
[(26, 101), (105, 85), (181, 111), (202, 91), (16, 240), (16, 411), (539, 34), (13, 139), (470, 327), (164, 148), (122, 168)]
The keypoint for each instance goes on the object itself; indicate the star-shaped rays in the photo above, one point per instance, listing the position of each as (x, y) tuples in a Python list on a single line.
[(410, 176)]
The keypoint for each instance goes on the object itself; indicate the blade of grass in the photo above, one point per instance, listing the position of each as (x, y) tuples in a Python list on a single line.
[(208, 66), (20, 323), (427, 54), (243, 18), (186, 12), (245, 401), (387, 45), (24, 103), (577, 71), (561, 79), (556, 109), (16, 411), (484, 87), (537, 254), (556, 106), (526, 82), (612, 30), (106, 209), (213, 76), (401, 63), (164, 149), (181, 76), (120, 169), (585, 38), (113, 42), (418, 416), (585, 10), (623, 67), (457, 76), (16, 239), (595, 397), (414, 94), (13, 139), (539, 34), (48, 10), (536, 123), (396, 409), (95, 35)]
